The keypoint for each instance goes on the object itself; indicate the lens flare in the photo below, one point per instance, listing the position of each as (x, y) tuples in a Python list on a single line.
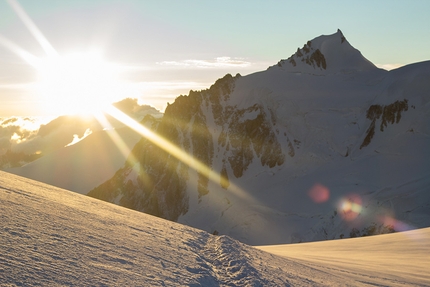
[(319, 193), (350, 207), (396, 224)]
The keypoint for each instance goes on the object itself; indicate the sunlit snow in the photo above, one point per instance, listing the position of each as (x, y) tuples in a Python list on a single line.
[(50, 236)]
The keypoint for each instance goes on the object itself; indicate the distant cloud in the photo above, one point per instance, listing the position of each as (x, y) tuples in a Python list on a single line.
[(17, 130), (389, 66), (25, 123), (219, 62), (173, 85)]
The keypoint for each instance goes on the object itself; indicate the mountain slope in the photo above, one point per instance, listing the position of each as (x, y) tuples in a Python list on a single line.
[(323, 149), (84, 165), (51, 236)]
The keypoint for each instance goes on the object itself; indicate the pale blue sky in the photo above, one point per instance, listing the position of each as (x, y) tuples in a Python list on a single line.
[(173, 45)]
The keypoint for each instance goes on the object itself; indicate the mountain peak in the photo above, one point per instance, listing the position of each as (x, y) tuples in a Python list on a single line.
[(326, 54)]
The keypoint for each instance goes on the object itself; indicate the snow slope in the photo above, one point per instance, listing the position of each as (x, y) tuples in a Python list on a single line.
[(385, 260), (50, 236)]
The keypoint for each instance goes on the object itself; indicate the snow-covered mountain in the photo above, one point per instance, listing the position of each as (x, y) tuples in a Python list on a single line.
[(322, 145), (50, 236), (80, 153), (84, 165)]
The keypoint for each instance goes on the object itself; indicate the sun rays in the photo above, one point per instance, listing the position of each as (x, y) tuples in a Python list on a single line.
[(32, 28), (115, 137), (85, 83), (177, 152)]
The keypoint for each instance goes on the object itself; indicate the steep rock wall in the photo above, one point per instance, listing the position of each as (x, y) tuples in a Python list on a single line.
[(204, 125)]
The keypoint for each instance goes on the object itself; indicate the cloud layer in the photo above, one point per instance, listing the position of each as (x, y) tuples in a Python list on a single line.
[(219, 62)]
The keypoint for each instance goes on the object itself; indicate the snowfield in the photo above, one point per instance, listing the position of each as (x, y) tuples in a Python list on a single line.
[(50, 236), (385, 260)]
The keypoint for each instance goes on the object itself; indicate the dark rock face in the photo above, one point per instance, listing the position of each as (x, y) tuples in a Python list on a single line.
[(373, 229), (245, 137), (155, 181), (342, 40), (310, 56), (159, 180), (389, 114), (317, 58)]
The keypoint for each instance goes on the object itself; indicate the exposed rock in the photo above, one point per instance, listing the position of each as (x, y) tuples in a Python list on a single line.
[(293, 62), (317, 58), (390, 114), (313, 57), (373, 229)]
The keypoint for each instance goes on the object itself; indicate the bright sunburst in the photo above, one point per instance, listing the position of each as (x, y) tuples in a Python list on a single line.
[(75, 83), (78, 83)]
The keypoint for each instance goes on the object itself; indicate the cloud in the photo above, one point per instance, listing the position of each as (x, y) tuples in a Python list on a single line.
[(389, 66), (219, 62), (17, 130), (173, 85), (25, 123)]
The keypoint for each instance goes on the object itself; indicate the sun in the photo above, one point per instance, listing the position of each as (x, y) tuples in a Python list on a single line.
[(78, 83), (82, 82)]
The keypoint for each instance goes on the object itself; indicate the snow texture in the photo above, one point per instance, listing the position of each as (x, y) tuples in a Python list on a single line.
[(50, 236), (385, 260)]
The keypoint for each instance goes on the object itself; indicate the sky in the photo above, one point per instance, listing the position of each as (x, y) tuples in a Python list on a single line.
[(60, 57)]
